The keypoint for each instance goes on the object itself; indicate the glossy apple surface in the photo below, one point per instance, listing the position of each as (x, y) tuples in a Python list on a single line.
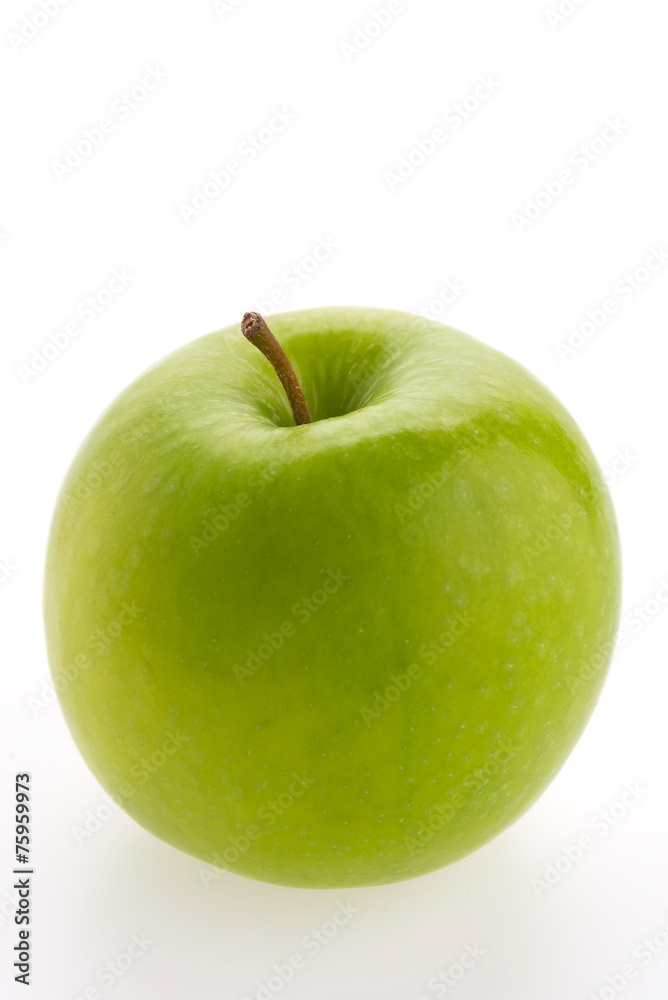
[(342, 653)]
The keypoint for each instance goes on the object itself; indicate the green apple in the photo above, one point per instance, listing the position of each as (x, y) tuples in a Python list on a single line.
[(335, 653)]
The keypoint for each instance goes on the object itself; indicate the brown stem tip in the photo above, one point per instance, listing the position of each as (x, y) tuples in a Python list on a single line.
[(256, 330)]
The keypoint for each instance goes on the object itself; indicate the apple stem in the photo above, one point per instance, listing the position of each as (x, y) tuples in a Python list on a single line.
[(256, 330)]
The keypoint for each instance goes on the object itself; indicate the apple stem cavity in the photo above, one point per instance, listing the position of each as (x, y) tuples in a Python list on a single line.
[(256, 330)]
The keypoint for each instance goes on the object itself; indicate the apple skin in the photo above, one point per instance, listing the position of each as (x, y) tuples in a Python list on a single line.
[(437, 551)]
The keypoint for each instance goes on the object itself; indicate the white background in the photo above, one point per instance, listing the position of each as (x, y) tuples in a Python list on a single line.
[(523, 288)]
